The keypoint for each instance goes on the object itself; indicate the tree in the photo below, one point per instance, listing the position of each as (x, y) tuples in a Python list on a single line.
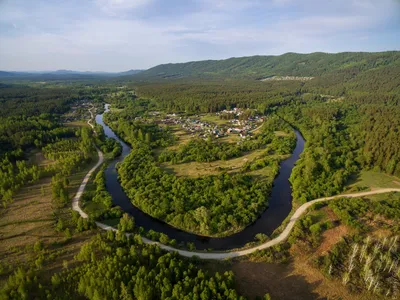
[(126, 223)]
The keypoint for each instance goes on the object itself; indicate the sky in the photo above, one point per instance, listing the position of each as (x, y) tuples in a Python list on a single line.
[(118, 35)]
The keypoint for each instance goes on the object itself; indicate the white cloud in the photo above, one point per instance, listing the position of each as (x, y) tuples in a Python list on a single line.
[(51, 37)]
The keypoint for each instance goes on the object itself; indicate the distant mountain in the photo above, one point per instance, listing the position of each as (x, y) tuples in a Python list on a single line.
[(65, 73), (289, 64), (130, 72), (11, 74), (62, 72)]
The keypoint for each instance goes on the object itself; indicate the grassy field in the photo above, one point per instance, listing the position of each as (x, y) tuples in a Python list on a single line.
[(32, 218), (212, 118), (197, 169), (231, 138), (281, 133), (35, 156), (372, 180), (77, 124)]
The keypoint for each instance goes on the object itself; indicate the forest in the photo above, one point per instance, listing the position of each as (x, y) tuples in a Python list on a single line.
[(348, 114), (112, 266), (346, 131), (318, 64)]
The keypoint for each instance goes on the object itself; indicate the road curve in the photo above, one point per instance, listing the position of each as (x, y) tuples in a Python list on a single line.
[(221, 255), (81, 189)]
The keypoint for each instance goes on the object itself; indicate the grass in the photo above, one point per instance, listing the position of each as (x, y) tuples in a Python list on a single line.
[(197, 169), (212, 118), (31, 218), (115, 110), (76, 124), (372, 180), (231, 138), (281, 133), (35, 156), (111, 222), (93, 208)]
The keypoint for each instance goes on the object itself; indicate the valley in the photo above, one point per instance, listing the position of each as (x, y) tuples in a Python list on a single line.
[(256, 188)]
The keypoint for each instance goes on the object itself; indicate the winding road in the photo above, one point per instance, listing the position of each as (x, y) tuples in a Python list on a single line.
[(220, 255)]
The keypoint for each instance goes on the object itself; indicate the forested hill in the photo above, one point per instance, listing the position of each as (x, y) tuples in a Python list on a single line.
[(289, 64)]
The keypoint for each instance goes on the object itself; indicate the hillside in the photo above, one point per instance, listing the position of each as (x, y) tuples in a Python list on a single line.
[(289, 64)]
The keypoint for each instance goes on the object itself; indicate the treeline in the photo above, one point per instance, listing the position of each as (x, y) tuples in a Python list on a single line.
[(105, 144), (195, 97), (13, 176), (29, 101)]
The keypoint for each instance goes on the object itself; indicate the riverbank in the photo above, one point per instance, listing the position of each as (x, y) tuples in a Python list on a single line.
[(225, 255)]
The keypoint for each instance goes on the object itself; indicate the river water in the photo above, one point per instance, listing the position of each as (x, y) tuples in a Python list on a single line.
[(280, 203)]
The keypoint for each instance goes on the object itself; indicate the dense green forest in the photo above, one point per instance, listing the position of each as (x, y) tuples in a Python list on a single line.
[(112, 266), (289, 64)]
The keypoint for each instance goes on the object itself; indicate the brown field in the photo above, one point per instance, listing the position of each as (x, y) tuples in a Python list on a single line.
[(36, 157), (76, 124), (31, 218), (298, 279)]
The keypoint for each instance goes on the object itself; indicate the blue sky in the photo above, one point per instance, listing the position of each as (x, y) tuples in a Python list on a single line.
[(117, 35)]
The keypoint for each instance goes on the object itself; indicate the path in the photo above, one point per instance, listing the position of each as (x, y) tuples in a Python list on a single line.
[(77, 197), (221, 255)]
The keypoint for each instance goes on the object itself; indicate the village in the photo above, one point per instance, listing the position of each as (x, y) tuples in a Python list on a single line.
[(218, 125)]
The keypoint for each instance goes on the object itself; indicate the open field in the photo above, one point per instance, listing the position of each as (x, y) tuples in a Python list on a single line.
[(372, 180), (297, 279), (76, 124), (281, 133), (197, 169), (212, 118), (182, 136), (32, 218), (231, 138), (35, 156)]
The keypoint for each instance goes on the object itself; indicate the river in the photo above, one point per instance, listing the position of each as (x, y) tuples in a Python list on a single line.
[(280, 203)]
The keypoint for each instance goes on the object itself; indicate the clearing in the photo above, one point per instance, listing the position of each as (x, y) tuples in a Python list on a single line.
[(197, 169), (372, 180), (213, 118), (30, 218)]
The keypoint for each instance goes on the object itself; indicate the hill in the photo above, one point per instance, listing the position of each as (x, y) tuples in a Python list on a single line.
[(289, 64), (62, 74)]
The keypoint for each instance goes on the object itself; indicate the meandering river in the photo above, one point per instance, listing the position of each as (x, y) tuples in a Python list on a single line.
[(280, 203)]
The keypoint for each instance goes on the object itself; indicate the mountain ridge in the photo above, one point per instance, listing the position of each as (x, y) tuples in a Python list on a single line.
[(287, 64)]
